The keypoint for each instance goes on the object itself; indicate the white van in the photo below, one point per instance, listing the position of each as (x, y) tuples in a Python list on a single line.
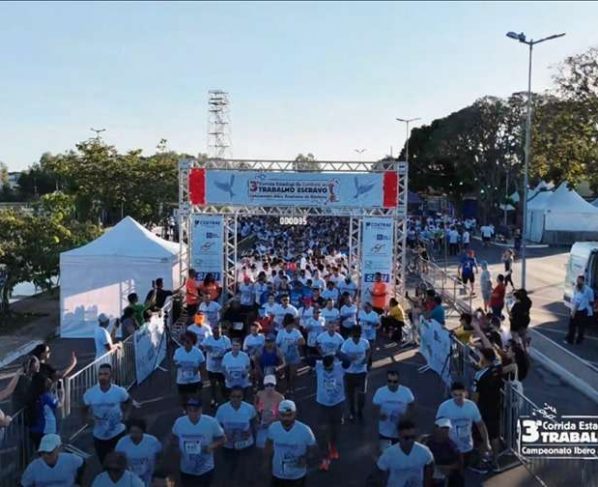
[(583, 260)]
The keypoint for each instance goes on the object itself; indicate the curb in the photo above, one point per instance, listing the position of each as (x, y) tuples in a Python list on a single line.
[(565, 375), (510, 245), (19, 352)]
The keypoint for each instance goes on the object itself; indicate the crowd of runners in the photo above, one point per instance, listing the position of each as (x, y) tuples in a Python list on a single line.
[(298, 307)]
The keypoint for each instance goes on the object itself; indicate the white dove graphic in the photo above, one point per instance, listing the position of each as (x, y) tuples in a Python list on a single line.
[(226, 187), (361, 189)]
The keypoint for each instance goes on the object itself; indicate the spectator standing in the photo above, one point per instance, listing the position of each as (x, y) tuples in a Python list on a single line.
[(468, 268), (42, 352), (378, 292), (156, 298), (103, 338), (507, 259), (41, 408), (520, 315), (497, 299), (485, 284), (394, 321), (191, 293), (582, 309)]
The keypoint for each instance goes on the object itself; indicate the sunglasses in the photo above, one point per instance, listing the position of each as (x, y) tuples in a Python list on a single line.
[(269, 385), (407, 438), (393, 381)]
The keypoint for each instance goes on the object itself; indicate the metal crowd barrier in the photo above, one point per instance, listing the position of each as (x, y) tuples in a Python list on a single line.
[(16, 450)]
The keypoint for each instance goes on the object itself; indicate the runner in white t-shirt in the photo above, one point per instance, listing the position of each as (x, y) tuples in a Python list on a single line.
[(291, 443), (216, 346), (141, 450), (106, 402), (393, 402), (408, 463), (196, 435), (290, 340), (236, 366), (200, 328), (239, 421), (329, 342), (190, 363), (463, 413), (356, 352), (211, 309), (53, 467)]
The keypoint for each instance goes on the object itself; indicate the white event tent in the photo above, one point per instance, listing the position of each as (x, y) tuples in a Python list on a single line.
[(97, 277), (561, 217)]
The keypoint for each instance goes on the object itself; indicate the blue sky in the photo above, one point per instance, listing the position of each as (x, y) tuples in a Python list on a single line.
[(319, 77)]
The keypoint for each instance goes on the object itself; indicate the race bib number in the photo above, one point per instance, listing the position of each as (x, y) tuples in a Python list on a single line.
[(464, 432), (241, 444), (330, 385), (189, 373), (192, 447)]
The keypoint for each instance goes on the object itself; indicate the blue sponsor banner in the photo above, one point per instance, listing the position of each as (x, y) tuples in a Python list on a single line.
[(377, 238), (207, 245)]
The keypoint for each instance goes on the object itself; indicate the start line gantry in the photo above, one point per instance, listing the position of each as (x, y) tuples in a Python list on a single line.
[(228, 189)]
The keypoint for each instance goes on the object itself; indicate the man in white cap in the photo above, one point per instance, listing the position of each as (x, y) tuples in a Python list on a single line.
[(292, 443), (53, 467), (448, 462), (103, 338), (408, 462)]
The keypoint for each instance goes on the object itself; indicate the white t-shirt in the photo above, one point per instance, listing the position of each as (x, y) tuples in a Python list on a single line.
[(215, 349), (253, 344), (212, 311), (466, 237), (405, 470), (268, 309), (486, 231), (202, 332), (462, 418), (141, 458), (237, 424), (347, 287), (236, 369), (288, 342), (393, 405), (106, 408), (101, 338), (356, 353), (314, 328), (331, 294), (329, 345), (369, 322), (289, 446), (246, 294), (192, 438), (330, 314), (305, 314), (129, 479), (330, 389), (348, 316), (63, 474), (188, 364), (318, 283), (280, 311)]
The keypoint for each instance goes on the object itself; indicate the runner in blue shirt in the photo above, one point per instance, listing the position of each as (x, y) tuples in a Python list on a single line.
[(468, 268)]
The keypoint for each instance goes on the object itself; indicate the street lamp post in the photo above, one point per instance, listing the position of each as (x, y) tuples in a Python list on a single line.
[(407, 121), (360, 152), (528, 138)]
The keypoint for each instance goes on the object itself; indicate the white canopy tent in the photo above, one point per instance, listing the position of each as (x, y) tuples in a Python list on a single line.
[(97, 277), (535, 214), (562, 217)]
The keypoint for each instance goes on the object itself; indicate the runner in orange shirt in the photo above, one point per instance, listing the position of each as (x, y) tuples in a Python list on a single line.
[(378, 292)]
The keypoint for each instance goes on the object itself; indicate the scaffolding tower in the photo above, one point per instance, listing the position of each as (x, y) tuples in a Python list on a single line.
[(219, 138)]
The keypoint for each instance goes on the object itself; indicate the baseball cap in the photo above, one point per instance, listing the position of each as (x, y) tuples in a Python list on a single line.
[(287, 406), (102, 318), (193, 402), (270, 379), (444, 423), (49, 443)]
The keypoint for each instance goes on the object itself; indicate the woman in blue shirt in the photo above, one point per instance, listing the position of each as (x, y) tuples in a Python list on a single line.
[(41, 408)]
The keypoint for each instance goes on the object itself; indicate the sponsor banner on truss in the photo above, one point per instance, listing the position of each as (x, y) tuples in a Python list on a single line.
[(435, 346), (207, 245), (262, 188), (377, 250)]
